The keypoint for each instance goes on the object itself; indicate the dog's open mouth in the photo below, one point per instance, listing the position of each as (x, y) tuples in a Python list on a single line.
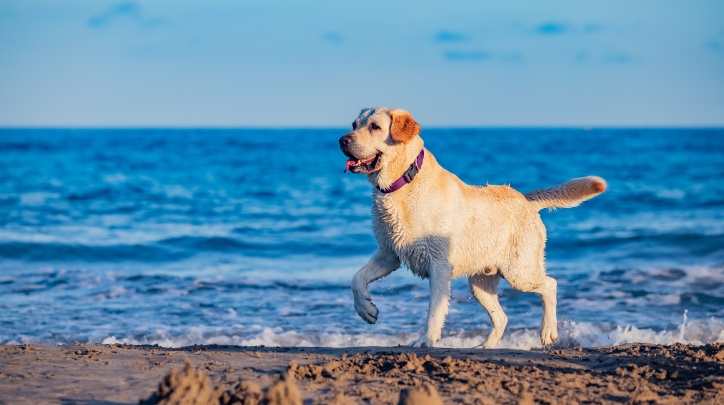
[(367, 165)]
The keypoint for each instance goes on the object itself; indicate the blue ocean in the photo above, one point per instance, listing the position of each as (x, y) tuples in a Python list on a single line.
[(251, 237)]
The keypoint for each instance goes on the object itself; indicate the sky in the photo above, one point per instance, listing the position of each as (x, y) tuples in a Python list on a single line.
[(316, 63)]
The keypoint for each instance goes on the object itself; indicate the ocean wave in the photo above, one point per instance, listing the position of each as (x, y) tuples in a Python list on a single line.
[(699, 242), (572, 335), (93, 246), (181, 247), (56, 252)]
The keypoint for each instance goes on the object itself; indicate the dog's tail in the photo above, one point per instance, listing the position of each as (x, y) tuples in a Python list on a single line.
[(567, 195)]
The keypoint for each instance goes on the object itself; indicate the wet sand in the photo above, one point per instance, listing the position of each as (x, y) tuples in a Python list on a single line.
[(120, 374)]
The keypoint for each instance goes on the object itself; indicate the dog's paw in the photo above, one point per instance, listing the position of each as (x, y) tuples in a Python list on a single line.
[(423, 341), (366, 309), (548, 335)]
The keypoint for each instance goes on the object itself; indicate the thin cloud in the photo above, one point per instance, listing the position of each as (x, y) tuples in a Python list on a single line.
[(551, 28), (613, 57), (512, 58), (618, 57), (125, 10), (715, 45), (467, 56), (333, 37), (448, 36), (560, 28), (592, 28)]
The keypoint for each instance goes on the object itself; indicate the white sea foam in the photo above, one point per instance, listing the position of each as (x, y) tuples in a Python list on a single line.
[(573, 334)]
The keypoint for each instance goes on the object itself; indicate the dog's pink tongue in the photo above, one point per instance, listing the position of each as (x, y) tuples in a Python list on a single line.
[(350, 162)]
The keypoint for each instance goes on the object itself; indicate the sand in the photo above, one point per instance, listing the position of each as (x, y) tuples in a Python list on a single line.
[(119, 374)]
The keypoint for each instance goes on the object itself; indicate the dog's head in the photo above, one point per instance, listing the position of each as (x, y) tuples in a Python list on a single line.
[(376, 137)]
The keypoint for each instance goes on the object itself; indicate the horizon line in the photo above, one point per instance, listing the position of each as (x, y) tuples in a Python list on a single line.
[(336, 128)]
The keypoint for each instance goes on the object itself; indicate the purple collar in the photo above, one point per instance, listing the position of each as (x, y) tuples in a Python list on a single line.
[(407, 176)]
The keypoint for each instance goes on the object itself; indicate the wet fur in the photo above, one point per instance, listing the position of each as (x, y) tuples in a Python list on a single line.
[(442, 228)]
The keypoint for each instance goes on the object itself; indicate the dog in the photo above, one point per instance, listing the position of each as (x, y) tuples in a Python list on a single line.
[(441, 228)]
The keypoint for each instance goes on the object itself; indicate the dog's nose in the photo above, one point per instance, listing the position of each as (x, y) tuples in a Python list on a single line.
[(345, 140)]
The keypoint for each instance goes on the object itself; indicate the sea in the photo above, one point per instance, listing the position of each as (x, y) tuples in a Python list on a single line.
[(251, 237)]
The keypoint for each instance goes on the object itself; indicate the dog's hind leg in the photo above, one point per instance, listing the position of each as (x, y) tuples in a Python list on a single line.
[(549, 324), (536, 281), (485, 291), (527, 273)]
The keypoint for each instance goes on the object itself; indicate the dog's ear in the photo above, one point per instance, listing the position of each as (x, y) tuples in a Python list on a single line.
[(403, 126)]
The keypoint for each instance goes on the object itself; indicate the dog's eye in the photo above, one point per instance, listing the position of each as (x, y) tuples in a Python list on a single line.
[(374, 126)]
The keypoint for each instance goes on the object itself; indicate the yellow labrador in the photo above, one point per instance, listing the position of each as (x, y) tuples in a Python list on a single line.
[(441, 228)]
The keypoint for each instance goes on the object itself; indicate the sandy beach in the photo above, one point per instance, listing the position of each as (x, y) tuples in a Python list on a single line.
[(122, 374)]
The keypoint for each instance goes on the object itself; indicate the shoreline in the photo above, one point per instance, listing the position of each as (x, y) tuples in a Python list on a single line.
[(123, 374)]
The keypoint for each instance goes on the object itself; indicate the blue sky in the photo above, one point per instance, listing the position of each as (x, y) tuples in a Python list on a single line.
[(242, 63)]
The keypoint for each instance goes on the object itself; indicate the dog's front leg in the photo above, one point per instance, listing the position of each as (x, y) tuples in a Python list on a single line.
[(381, 264), (440, 277)]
